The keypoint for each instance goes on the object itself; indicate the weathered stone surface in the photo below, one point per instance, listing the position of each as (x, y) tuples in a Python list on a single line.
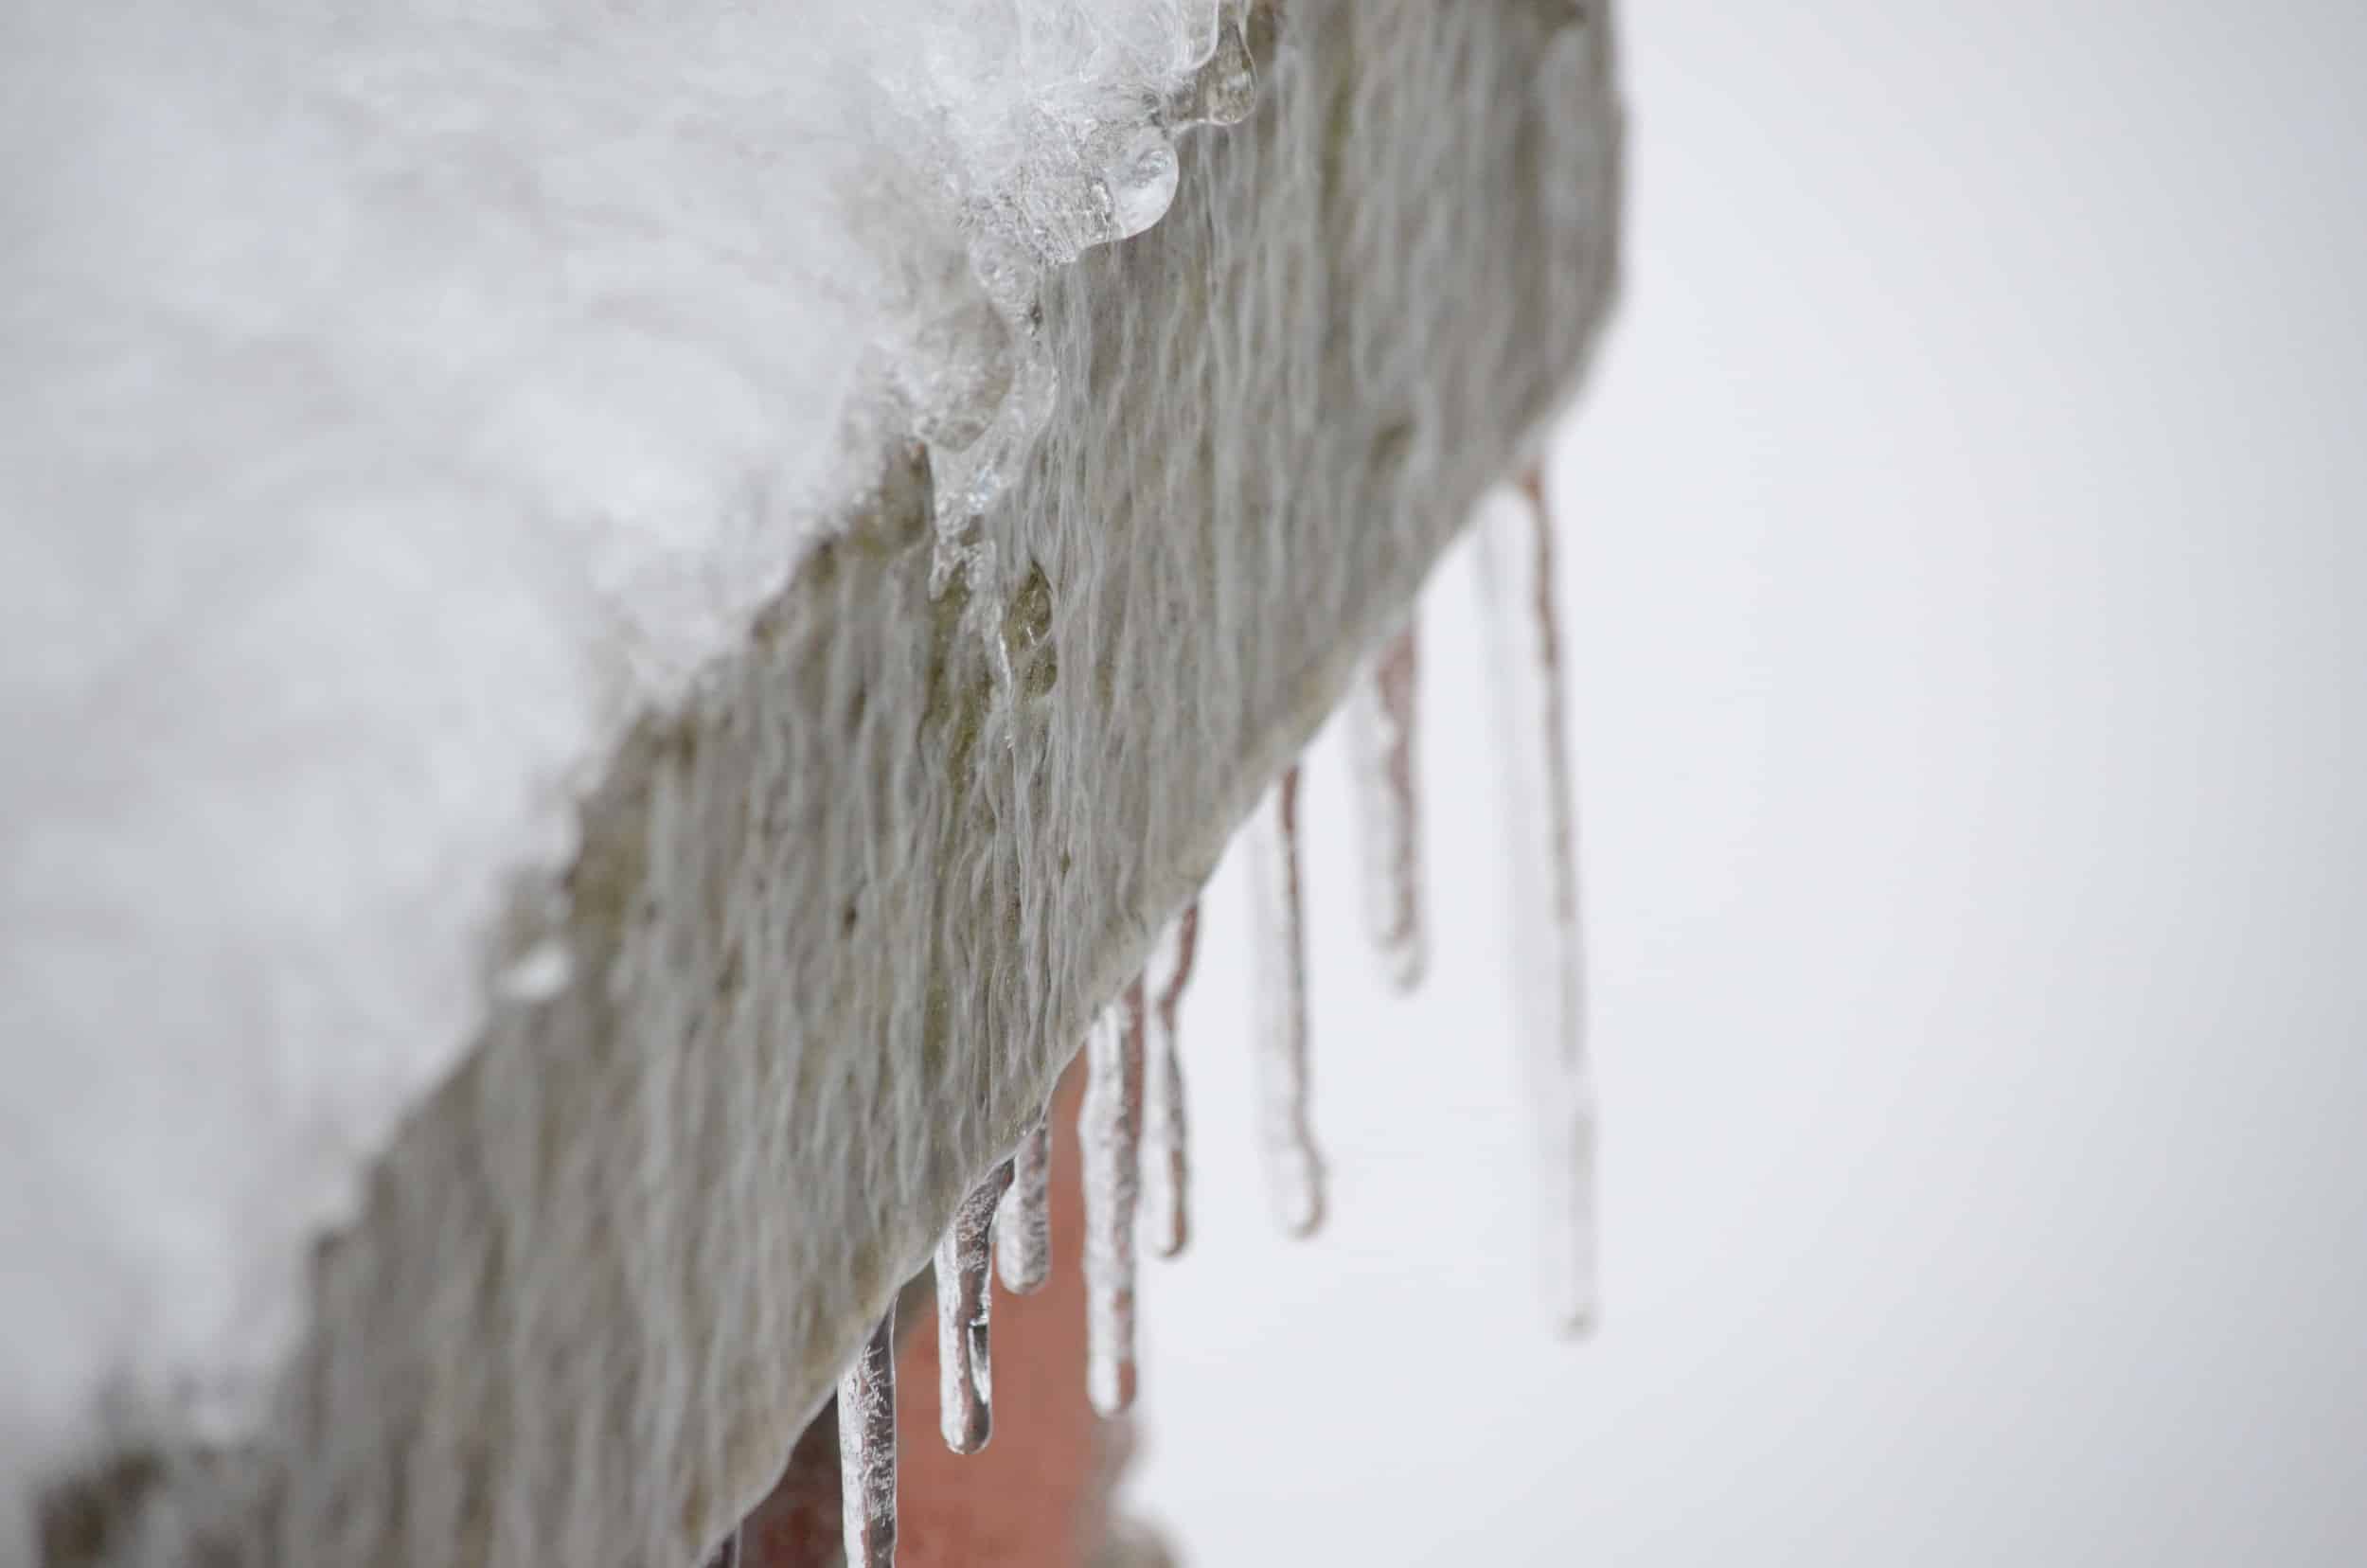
[(840, 921)]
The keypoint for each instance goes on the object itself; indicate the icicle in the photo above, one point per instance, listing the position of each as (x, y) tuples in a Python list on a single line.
[(727, 1552), (866, 1450), (1109, 1128), (1166, 1166), (1548, 939), (1382, 736), (1295, 1171), (1023, 1228), (965, 1367)]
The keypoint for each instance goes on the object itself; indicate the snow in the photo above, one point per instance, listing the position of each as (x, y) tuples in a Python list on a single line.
[(402, 399)]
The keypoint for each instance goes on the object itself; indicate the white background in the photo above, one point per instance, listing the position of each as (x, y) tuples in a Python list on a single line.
[(1962, 551)]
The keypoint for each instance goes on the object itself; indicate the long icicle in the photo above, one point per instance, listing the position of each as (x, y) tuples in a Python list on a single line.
[(1549, 938), (1295, 1171), (1383, 713), (867, 1449), (1165, 1126), (964, 1359), (1110, 1129), (1023, 1229)]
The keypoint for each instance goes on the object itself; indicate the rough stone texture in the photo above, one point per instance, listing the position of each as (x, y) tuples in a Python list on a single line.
[(841, 920)]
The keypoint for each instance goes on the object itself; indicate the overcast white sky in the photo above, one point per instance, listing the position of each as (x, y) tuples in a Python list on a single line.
[(1964, 552)]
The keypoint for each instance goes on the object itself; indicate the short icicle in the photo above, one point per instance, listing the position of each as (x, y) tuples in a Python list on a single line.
[(1110, 1129), (1168, 1163), (1023, 1228), (1294, 1170), (867, 1449), (1381, 733), (965, 1363), (1548, 937)]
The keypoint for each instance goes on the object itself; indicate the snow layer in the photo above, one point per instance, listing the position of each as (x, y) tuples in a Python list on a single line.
[(399, 398)]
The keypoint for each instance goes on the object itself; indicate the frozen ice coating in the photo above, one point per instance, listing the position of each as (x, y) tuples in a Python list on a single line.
[(965, 1363), (1022, 1227), (1109, 1128), (1381, 736), (1295, 1171), (1166, 1163), (1517, 553), (402, 398), (866, 1450)]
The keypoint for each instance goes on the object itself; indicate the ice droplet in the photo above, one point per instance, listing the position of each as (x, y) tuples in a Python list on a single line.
[(866, 1450), (956, 373), (1166, 1163), (1224, 89), (1294, 1172), (1518, 569), (969, 480), (1023, 1229), (1381, 736), (1110, 1131), (1140, 179), (965, 1363)]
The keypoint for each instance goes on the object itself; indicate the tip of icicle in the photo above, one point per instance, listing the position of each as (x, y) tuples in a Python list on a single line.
[(1574, 1324), (1304, 1218), (1111, 1388), (1406, 964), (967, 1431)]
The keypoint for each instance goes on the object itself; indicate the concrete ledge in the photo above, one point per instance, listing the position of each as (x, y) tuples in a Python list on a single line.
[(841, 920)]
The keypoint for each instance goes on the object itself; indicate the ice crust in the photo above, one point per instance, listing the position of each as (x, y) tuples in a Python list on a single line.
[(400, 399)]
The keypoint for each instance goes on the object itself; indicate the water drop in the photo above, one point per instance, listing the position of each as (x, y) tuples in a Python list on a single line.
[(1295, 1171)]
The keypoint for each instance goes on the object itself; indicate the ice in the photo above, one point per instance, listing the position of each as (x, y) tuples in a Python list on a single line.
[(965, 1361), (1294, 1172), (1518, 562), (1166, 1162), (1023, 1229), (402, 399), (1110, 1131), (866, 1450), (726, 1552), (1141, 181), (1224, 89), (1382, 738)]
